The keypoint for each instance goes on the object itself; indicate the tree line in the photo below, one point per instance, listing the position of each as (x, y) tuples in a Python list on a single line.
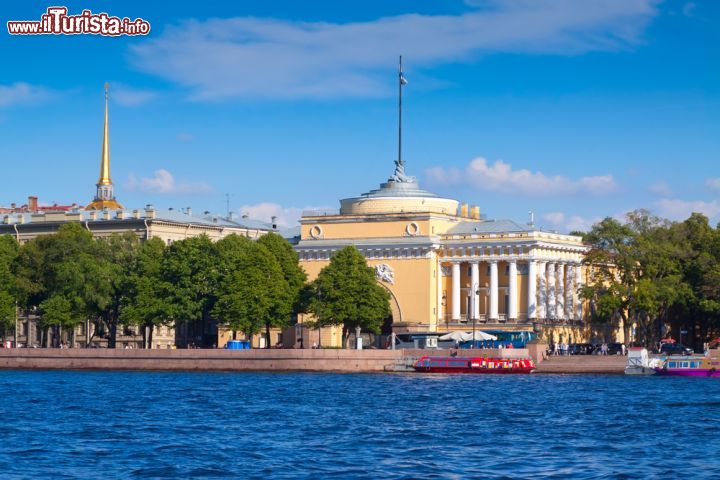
[(652, 273), (247, 286)]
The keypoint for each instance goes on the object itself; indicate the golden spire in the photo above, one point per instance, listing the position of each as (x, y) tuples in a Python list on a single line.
[(105, 156), (105, 197)]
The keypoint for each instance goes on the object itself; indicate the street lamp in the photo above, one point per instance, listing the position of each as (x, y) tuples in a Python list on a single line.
[(15, 333), (443, 303)]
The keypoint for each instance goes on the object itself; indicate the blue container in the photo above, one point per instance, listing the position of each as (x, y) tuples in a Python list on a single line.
[(238, 345)]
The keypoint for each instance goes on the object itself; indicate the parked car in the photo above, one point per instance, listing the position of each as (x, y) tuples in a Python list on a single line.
[(675, 349)]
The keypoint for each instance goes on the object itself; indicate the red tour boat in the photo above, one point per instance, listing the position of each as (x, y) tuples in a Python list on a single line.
[(474, 365)]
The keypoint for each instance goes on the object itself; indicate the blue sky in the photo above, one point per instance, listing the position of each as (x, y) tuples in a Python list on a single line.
[(576, 110)]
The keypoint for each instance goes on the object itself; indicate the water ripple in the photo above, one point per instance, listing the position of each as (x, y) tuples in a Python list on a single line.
[(298, 425)]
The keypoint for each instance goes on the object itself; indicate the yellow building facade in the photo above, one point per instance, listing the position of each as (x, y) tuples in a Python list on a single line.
[(446, 267)]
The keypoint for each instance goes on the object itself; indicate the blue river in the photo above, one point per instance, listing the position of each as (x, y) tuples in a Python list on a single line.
[(66, 424)]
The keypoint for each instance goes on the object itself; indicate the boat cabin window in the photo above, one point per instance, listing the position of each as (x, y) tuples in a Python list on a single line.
[(672, 364)]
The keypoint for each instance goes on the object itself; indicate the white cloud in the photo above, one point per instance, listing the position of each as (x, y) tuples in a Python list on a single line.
[(660, 188), (556, 218), (251, 57), (164, 182), (677, 209), (129, 96), (565, 223), (20, 93), (500, 176), (581, 224), (286, 216), (713, 183)]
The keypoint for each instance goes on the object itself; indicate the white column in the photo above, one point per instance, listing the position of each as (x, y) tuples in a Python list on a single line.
[(440, 312), (560, 306), (474, 286), (569, 292), (551, 296), (532, 290), (578, 286), (456, 291), (542, 297), (493, 290), (512, 294)]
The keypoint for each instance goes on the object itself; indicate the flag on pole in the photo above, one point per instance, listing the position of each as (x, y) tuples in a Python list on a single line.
[(402, 79)]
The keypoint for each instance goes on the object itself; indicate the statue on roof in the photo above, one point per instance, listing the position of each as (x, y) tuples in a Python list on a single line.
[(399, 176)]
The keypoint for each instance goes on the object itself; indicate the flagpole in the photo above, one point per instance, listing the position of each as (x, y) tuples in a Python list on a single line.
[(400, 85)]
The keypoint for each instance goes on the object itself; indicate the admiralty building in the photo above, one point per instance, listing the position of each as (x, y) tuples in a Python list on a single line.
[(446, 266)]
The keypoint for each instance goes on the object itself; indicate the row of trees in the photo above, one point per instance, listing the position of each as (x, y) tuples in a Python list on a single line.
[(248, 286), (651, 273)]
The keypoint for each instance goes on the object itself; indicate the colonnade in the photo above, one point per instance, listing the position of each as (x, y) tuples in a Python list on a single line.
[(551, 290)]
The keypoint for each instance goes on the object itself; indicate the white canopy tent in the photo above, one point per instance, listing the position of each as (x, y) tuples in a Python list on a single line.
[(459, 336)]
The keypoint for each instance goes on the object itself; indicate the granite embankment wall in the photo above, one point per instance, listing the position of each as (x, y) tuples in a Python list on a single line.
[(220, 360), (273, 360), (204, 360), (583, 364)]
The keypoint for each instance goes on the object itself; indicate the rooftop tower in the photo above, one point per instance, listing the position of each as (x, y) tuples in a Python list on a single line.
[(401, 193), (104, 195)]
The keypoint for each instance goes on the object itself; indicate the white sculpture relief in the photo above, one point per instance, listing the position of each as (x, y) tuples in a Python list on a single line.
[(385, 273), (412, 229)]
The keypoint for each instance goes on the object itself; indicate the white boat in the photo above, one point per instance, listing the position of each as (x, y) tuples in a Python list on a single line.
[(640, 363)]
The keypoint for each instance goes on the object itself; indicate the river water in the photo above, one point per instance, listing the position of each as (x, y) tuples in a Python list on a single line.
[(64, 424)]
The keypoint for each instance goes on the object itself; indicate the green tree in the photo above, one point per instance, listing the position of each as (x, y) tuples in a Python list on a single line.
[(30, 272), (9, 251), (252, 290), (295, 277), (611, 267), (636, 273), (57, 311), (111, 267), (288, 259), (69, 269), (75, 267), (701, 270), (144, 302), (190, 272), (346, 293)]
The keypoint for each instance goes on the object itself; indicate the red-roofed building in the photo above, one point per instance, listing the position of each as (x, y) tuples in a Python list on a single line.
[(32, 206)]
